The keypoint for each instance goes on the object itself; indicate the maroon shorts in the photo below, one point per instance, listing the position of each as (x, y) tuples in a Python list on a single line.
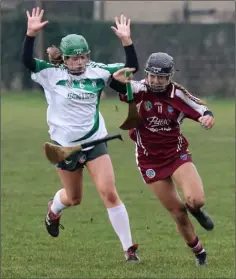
[(152, 171)]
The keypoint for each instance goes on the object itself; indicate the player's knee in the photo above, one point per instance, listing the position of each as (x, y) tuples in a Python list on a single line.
[(196, 202), (75, 201), (199, 202), (109, 196), (112, 197)]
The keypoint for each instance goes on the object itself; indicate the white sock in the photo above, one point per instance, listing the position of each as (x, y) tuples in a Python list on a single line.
[(57, 206), (120, 222)]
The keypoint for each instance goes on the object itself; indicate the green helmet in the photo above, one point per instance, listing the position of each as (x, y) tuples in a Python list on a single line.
[(73, 45)]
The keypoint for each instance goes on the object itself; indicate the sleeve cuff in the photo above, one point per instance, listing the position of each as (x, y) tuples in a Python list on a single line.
[(208, 112)]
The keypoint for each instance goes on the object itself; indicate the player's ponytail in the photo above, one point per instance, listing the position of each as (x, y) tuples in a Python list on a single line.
[(54, 55), (185, 91)]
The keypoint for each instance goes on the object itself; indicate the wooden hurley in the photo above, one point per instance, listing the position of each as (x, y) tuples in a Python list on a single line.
[(56, 153), (133, 119)]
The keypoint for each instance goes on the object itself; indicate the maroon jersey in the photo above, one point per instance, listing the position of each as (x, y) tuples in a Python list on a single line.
[(159, 141)]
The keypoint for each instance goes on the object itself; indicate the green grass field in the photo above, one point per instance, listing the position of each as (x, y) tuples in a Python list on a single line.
[(88, 249)]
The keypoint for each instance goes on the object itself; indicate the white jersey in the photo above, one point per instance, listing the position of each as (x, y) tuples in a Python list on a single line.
[(73, 101)]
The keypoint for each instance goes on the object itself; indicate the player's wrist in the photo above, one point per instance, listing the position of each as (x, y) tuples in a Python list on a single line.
[(126, 41), (31, 33)]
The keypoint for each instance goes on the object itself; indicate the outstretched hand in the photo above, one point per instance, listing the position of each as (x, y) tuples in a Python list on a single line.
[(35, 23), (122, 29)]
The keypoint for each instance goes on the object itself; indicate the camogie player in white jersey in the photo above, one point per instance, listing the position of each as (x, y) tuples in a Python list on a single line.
[(73, 92)]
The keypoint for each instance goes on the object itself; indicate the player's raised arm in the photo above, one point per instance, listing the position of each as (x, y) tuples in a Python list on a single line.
[(122, 31), (34, 25)]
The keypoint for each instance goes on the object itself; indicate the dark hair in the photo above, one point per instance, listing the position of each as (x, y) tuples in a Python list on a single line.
[(185, 91)]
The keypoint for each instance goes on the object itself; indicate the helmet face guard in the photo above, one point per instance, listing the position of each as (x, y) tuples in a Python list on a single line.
[(76, 64), (160, 65)]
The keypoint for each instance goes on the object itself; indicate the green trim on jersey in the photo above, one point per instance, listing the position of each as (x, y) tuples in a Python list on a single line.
[(91, 85), (111, 68), (42, 65), (96, 121)]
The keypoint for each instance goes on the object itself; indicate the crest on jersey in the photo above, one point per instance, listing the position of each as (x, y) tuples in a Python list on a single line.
[(94, 84), (82, 158), (170, 109), (148, 105), (184, 157), (150, 173)]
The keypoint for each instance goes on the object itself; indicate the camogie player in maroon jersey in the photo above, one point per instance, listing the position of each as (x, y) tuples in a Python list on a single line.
[(162, 153)]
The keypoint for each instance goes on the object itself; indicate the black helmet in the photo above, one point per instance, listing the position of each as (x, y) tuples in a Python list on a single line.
[(160, 64)]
